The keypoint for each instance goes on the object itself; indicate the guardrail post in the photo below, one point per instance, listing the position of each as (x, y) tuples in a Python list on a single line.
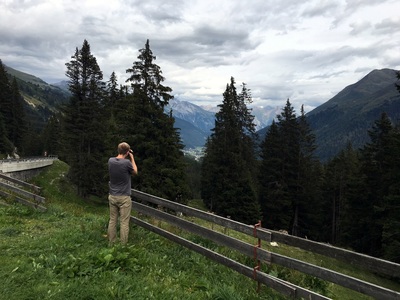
[(258, 262)]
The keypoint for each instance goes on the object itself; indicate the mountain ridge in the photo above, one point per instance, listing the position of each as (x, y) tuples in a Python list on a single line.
[(345, 118), (41, 99), (373, 82)]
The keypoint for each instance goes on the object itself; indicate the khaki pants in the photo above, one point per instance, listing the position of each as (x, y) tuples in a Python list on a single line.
[(119, 206)]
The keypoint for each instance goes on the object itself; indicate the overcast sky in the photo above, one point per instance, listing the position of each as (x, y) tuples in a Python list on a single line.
[(306, 51)]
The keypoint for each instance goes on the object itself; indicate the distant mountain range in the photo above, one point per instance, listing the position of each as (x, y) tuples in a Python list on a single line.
[(195, 122), (345, 118)]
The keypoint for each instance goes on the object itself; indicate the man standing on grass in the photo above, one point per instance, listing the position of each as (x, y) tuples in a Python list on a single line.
[(120, 169)]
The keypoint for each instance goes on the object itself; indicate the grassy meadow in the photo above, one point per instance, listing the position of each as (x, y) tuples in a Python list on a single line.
[(64, 254)]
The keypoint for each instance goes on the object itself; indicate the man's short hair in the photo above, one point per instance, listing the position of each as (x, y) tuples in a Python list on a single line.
[(123, 148)]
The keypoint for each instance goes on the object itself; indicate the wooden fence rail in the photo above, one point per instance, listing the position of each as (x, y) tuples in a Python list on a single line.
[(375, 265), (372, 264), (281, 286), (21, 183), (16, 189), (358, 285)]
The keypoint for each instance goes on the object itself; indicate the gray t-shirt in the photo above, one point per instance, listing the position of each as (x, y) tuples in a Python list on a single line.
[(120, 171)]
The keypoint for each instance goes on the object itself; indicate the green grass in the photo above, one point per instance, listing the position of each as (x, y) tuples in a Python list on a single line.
[(64, 254), (328, 289)]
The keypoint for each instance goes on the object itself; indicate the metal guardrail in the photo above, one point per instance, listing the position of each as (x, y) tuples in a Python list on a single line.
[(22, 192), (19, 190), (32, 158), (21, 164)]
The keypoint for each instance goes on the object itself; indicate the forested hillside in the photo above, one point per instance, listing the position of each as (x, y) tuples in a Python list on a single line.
[(42, 100), (352, 201), (28, 107), (350, 198), (13, 123), (347, 117)]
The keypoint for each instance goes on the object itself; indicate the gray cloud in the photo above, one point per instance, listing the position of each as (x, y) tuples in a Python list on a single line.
[(387, 26), (165, 13), (360, 27), (303, 50), (320, 8)]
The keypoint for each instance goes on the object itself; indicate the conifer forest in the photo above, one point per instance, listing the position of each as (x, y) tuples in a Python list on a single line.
[(351, 201)]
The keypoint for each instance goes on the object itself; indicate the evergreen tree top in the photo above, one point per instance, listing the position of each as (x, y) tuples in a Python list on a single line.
[(146, 78)]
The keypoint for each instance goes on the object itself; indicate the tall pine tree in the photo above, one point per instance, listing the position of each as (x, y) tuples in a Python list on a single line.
[(146, 78), (274, 195), (5, 98), (17, 128), (84, 123), (284, 186), (228, 171), (376, 163), (378, 231), (308, 208), (290, 176), (12, 111), (113, 96), (341, 181), (51, 135), (391, 202), (6, 145), (391, 208), (143, 124)]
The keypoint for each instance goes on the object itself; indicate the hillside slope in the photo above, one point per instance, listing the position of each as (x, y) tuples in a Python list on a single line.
[(347, 117), (191, 135), (64, 254), (41, 98)]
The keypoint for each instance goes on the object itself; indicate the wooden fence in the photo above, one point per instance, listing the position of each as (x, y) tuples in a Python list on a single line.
[(378, 266), (22, 192)]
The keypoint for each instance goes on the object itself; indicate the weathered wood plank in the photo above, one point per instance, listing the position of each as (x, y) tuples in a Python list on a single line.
[(217, 237), (24, 201), (247, 249), (21, 183), (376, 265), (22, 192), (373, 264), (286, 288), (352, 283), (189, 211)]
